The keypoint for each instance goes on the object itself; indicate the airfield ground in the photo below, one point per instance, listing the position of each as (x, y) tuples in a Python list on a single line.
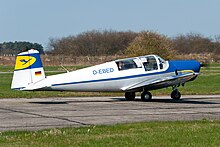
[(34, 114)]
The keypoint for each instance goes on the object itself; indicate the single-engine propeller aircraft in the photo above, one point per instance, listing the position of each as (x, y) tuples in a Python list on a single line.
[(131, 75)]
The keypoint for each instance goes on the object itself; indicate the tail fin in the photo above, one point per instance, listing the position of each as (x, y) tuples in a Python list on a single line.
[(28, 69)]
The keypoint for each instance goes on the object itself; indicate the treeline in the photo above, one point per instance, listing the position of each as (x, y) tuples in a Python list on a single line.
[(196, 43), (96, 43), (13, 48), (92, 43), (125, 43)]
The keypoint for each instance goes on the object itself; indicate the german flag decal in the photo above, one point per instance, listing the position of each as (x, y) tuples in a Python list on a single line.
[(38, 73)]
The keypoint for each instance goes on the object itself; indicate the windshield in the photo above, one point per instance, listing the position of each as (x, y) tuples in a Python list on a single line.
[(162, 62), (149, 62)]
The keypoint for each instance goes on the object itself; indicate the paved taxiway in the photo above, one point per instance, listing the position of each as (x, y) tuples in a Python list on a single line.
[(32, 114)]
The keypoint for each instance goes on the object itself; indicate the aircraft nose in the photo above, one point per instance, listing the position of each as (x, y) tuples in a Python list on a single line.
[(197, 66), (187, 65), (193, 65)]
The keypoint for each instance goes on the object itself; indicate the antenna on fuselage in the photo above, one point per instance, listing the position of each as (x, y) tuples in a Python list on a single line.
[(64, 68)]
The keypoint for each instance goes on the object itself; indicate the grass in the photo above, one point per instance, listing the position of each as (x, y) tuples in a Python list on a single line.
[(207, 83), (194, 133), (214, 65), (6, 68)]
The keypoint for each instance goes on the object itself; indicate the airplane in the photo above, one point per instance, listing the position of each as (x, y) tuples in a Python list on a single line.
[(130, 75)]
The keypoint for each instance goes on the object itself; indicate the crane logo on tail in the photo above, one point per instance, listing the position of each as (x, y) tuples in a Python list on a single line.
[(24, 62)]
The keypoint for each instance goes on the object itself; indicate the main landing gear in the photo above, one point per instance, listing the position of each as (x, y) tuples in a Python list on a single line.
[(145, 96), (175, 94), (130, 96)]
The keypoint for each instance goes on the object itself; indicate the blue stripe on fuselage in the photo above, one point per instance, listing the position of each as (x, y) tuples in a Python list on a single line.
[(110, 79)]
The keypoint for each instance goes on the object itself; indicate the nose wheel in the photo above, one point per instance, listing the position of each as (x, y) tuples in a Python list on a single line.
[(146, 96), (175, 94)]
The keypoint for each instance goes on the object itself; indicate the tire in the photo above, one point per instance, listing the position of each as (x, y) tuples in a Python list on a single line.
[(146, 96), (175, 94), (130, 96)]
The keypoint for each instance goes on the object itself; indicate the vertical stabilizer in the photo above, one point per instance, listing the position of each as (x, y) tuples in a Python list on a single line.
[(28, 69)]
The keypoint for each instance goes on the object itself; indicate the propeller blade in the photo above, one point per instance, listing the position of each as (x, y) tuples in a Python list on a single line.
[(204, 64)]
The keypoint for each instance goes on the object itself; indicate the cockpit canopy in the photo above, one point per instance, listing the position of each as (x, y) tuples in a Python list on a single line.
[(149, 62)]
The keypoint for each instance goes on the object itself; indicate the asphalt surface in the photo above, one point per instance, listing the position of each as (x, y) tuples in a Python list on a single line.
[(36, 113)]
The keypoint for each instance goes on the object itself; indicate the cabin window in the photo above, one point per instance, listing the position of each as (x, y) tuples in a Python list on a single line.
[(128, 64), (150, 63)]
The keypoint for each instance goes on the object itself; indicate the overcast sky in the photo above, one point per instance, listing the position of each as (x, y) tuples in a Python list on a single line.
[(39, 20)]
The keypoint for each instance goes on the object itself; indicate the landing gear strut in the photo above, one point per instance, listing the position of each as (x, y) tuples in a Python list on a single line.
[(130, 96), (175, 94), (146, 96)]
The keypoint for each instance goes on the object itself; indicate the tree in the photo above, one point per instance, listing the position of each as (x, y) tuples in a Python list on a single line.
[(193, 43), (17, 47), (150, 43)]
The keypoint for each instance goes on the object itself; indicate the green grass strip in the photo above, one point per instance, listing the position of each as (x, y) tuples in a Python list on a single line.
[(208, 82), (159, 134)]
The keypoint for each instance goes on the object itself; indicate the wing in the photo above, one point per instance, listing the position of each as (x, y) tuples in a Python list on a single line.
[(162, 82)]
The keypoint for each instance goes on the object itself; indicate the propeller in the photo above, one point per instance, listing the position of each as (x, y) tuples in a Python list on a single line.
[(207, 65)]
